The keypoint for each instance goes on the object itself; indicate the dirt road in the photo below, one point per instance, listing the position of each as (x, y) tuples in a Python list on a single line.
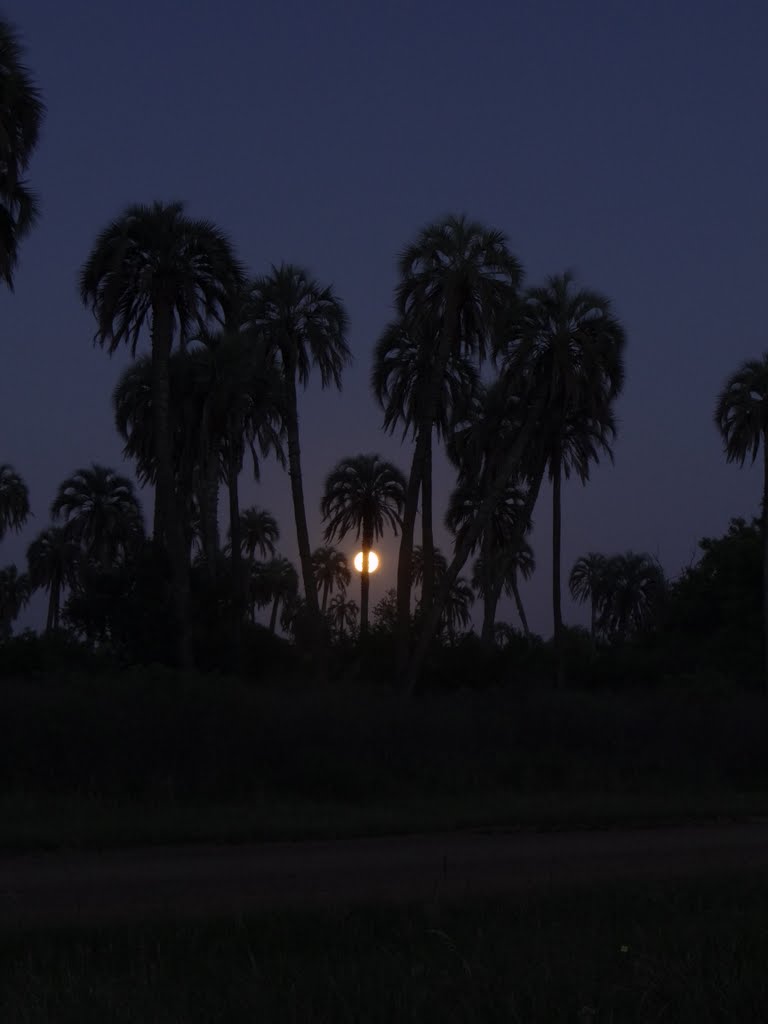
[(146, 884)]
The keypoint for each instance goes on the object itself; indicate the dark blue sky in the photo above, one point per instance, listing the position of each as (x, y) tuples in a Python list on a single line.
[(625, 141)]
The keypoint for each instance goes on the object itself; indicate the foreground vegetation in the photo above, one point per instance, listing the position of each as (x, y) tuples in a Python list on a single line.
[(689, 953)]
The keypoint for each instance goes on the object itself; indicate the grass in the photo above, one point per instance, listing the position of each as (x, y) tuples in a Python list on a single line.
[(624, 954), (154, 756)]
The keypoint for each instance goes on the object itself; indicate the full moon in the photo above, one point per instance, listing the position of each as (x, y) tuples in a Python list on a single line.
[(373, 561)]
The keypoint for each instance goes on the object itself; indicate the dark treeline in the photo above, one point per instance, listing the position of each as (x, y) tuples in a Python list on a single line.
[(518, 383)]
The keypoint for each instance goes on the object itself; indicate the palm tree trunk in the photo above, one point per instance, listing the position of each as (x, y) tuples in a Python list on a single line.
[(556, 550), (208, 499), (418, 468), (299, 511), (51, 618), (273, 616), (427, 535), (326, 588), (519, 606), (365, 580), (481, 520), (233, 469), (166, 512), (490, 596), (765, 560)]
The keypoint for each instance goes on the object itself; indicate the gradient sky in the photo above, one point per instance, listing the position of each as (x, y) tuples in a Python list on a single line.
[(627, 142)]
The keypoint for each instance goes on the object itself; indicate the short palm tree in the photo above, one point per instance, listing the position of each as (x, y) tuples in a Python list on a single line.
[(101, 513), (54, 560), (305, 325), (461, 276), (363, 493), (154, 269), (457, 608), (741, 416), (343, 614), (15, 591), (21, 116), (573, 345), (275, 582), (588, 582), (419, 560), (634, 589), (331, 571), (14, 500), (258, 532), (507, 565)]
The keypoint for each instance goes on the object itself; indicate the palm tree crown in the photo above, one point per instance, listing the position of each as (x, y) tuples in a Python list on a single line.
[(331, 571), (364, 494), (14, 500), (101, 512)]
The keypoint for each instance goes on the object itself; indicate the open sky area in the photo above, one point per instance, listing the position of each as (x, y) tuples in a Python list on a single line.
[(625, 141)]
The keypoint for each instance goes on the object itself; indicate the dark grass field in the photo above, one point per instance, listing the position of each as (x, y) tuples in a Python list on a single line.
[(688, 953), (154, 756)]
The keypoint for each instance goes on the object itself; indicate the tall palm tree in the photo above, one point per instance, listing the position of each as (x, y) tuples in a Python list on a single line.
[(343, 614), (14, 500), (21, 116), (363, 493), (305, 325), (331, 571), (15, 592), (156, 269), (741, 416), (587, 582), (54, 560), (402, 369), (461, 276), (573, 344), (101, 512)]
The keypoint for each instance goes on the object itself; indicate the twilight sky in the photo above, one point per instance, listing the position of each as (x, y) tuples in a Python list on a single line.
[(627, 142)]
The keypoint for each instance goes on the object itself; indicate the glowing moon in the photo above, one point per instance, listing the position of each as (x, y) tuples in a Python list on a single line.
[(373, 561)]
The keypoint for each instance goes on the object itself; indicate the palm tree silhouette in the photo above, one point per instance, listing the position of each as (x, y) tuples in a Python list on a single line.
[(14, 500), (588, 582), (21, 116), (461, 276), (456, 609), (331, 571), (275, 581), (155, 268), (15, 592), (101, 513), (305, 325), (741, 416), (363, 493), (54, 561), (258, 531), (571, 342), (634, 588), (402, 369), (343, 614), (507, 565), (419, 561)]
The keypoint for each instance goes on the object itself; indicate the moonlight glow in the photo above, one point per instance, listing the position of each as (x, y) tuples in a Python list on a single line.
[(373, 561)]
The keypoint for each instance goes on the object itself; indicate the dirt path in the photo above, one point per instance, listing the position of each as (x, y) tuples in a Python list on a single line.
[(207, 881)]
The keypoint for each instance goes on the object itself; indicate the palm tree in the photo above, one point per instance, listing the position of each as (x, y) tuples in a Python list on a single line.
[(587, 582), (741, 416), (331, 570), (101, 512), (155, 268), (400, 380), (21, 116), (634, 588), (14, 500), (258, 530), (275, 581), (461, 276), (54, 560), (456, 610), (507, 564), (343, 614), (305, 326), (419, 561), (14, 595), (363, 493), (571, 342)]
